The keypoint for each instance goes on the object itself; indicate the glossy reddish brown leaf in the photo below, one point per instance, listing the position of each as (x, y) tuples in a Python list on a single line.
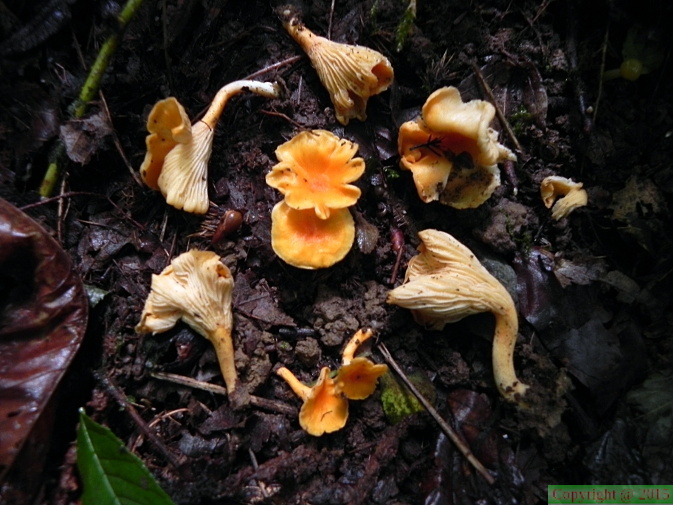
[(43, 315)]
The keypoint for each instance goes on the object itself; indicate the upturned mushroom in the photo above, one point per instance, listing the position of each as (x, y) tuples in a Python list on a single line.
[(350, 73), (357, 377), (312, 227), (197, 289), (176, 162), (562, 195), (445, 283), (452, 151), (325, 409)]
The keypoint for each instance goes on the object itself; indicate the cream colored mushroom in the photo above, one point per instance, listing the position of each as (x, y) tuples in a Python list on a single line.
[(177, 156), (197, 289), (571, 195), (445, 283), (452, 151), (351, 73)]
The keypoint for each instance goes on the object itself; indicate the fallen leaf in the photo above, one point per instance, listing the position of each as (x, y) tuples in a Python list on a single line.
[(43, 316)]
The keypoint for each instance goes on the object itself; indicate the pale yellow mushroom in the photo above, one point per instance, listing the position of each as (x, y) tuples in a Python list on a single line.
[(177, 156), (350, 73), (445, 283), (451, 150), (562, 195), (197, 289)]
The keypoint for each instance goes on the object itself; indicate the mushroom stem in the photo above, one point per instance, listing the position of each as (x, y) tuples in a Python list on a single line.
[(266, 89), (224, 348), (299, 388), (504, 340), (353, 344)]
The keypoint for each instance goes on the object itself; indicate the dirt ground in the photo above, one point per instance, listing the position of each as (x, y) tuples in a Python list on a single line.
[(592, 290)]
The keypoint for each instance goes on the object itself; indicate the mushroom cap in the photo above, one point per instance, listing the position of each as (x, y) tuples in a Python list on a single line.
[(466, 126), (197, 288), (357, 380), (445, 283), (314, 170), (325, 409), (302, 239), (168, 125), (451, 150), (571, 193), (350, 73), (430, 168), (184, 178)]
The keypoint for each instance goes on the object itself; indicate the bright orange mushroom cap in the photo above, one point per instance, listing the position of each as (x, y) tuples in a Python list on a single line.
[(357, 380), (314, 172), (302, 239), (325, 409)]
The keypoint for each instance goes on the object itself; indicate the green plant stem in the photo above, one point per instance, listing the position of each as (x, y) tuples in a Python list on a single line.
[(90, 88)]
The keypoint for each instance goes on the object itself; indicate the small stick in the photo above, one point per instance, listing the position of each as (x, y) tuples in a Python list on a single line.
[(276, 65), (453, 436), (256, 401), (498, 111), (118, 395)]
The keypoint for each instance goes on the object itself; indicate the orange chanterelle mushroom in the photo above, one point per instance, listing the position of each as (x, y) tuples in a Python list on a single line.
[(325, 407), (452, 151), (176, 162), (312, 227)]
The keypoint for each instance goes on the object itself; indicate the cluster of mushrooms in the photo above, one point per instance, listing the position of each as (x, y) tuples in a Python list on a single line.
[(452, 153)]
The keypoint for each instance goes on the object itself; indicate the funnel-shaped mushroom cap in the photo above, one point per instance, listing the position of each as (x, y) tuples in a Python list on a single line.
[(303, 240), (197, 289), (357, 380), (357, 377), (168, 125), (314, 172), (445, 283), (325, 409), (451, 150), (184, 178), (350, 73), (571, 195)]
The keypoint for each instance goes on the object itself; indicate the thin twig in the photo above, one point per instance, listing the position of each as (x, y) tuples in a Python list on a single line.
[(285, 117), (114, 391), (329, 24), (256, 401), (498, 111), (453, 436), (275, 66), (117, 143)]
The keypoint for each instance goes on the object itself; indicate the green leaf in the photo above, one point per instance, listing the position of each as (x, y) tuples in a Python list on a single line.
[(111, 475)]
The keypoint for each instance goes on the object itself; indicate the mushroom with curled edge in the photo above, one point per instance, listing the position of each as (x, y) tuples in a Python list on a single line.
[(197, 289), (350, 73), (357, 377), (451, 150), (325, 408), (312, 226), (176, 162), (562, 195), (445, 283)]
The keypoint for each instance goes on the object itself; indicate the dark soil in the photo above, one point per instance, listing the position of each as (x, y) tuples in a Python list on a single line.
[(593, 289)]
